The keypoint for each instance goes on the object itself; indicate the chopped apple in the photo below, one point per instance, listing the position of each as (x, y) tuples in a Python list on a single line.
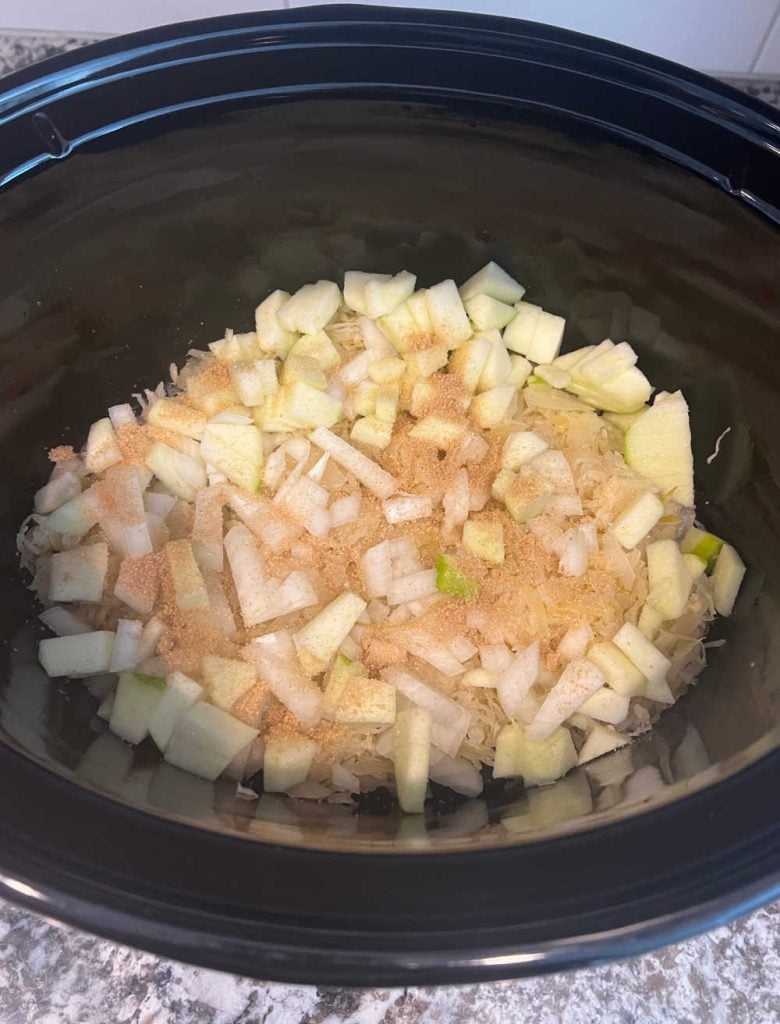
[(365, 702), (271, 335), (626, 393), (182, 475), (602, 739), (310, 308), (382, 297), (619, 671), (623, 420), (135, 701), (322, 636), (703, 545), (318, 347), (387, 370), (355, 282), (444, 433), (425, 361), (537, 761), (305, 406), (647, 658), (727, 578), (521, 371), (658, 446), (577, 682), (205, 740), (534, 333), (605, 705), (568, 799), (469, 361), (102, 449), (172, 414), (227, 680), (650, 621), (57, 492), (412, 753), (210, 388), (180, 693), (484, 539), (668, 579), (417, 306), (254, 380), (372, 431), (451, 325), (526, 494), (79, 574), (343, 669), (488, 314), (363, 398), (520, 447), (83, 654), (305, 369), (386, 403), (287, 762), (452, 580), (188, 583), (497, 366), (493, 281), (236, 450), (492, 407), (552, 375), (401, 327), (635, 522), (695, 566)]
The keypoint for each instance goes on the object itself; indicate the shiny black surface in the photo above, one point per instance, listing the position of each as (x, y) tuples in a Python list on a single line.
[(207, 164)]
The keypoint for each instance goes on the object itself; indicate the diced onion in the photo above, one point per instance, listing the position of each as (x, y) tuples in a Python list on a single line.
[(372, 476), (574, 555), (450, 721), (455, 772), (575, 642), (63, 622), (457, 503), (126, 645), (405, 556), (463, 648), (407, 507), (516, 680), (377, 567), (298, 694), (345, 510), (412, 587), (495, 657), (121, 415)]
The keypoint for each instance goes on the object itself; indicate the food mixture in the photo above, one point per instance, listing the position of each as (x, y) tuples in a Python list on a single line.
[(388, 537)]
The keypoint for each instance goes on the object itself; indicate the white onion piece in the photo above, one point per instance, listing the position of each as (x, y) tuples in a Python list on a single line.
[(63, 622), (158, 504), (495, 657), (374, 339), (306, 501), (450, 721), (420, 607), (298, 694), (296, 472), (295, 593), (345, 510), (355, 371), (463, 648), (385, 743), (126, 645), (298, 448), (317, 471), (280, 643), (575, 642), (473, 448), (260, 516), (56, 492), (513, 684), (121, 415), (574, 555), (554, 467), (404, 555), (412, 587), (207, 529), (372, 476), (434, 654), (150, 637), (138, 539), (344, 779), (308, 790), (377, 610), (154, 666), (455, 772), (274, 468), (351, 649), (74, 465), (336, 390), (227, 416), (407, 507), (221, 612), (246, 567), (377, 567), (588, 531), (577, 682), (564, 505), (457, 503)]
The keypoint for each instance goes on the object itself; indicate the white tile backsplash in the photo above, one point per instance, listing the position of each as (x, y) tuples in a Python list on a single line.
[(718, 35)]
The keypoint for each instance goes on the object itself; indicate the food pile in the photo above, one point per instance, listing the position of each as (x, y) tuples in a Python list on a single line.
[(389, 536)]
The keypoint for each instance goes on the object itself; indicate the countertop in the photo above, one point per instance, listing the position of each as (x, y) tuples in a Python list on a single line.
[(51, 974)]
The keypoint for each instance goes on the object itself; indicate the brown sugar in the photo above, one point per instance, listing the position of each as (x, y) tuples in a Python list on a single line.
[(61, 453)]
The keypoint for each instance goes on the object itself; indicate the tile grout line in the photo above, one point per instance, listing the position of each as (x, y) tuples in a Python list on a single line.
[(765, 38)]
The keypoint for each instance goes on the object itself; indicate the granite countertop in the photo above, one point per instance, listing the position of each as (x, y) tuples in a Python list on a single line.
[(51, 974)]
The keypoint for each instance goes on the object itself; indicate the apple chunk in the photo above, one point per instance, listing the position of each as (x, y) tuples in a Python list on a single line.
[(658, 446), (235, 449)]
